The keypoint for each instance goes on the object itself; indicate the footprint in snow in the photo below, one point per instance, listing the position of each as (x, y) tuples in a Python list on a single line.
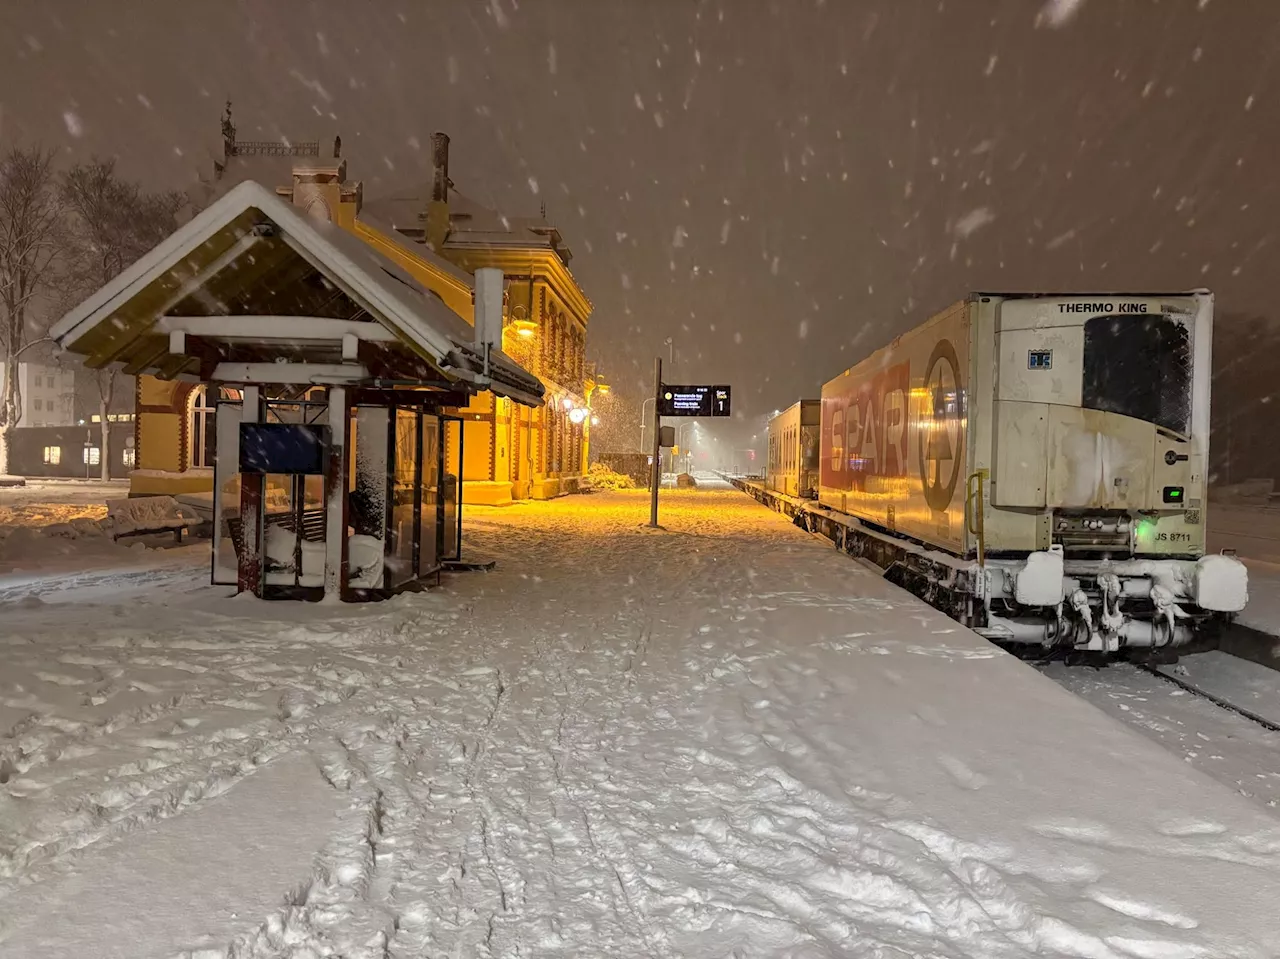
[(964, 777), (1181, 828), (1135, 909)]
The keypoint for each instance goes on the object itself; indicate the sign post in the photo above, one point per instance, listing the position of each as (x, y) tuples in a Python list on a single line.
[(677, 401), (655, 473)]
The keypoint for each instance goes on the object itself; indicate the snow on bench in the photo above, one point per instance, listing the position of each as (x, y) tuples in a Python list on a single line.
[(149, 514)]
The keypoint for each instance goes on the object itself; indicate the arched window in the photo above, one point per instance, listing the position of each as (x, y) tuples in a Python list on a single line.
[(200, 428), (201, 434)]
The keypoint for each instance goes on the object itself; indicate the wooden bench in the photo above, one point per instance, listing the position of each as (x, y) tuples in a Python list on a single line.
[(149, 515)]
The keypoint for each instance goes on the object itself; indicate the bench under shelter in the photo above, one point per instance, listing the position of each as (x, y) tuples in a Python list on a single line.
[(336, 374)]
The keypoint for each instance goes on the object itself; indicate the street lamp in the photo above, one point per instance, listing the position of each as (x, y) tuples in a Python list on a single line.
[(521, 324)]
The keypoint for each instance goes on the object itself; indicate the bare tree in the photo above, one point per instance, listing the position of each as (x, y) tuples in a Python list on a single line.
[(113, 222), (30, 232)]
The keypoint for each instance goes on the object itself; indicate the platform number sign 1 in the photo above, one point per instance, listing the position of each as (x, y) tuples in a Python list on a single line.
[(720, 404), (1039, 359)]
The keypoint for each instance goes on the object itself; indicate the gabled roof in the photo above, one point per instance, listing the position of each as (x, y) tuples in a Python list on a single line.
[(252, 254)]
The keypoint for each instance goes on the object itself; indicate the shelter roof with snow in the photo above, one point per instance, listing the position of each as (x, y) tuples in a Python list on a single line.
[(249, 283)]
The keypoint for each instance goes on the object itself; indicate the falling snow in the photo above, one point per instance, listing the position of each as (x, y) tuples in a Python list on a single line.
[(1058, 13), (973, 221)]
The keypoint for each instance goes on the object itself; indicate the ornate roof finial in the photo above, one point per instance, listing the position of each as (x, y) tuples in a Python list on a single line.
[(228, 133)]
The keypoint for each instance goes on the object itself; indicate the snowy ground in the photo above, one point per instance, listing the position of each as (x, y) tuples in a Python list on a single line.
[(43, 501), (1233, 750), (723, 739)]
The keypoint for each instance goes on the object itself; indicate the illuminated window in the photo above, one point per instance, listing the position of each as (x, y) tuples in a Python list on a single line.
[(52, 455), (130, 457), (200, 429), (92, 456)]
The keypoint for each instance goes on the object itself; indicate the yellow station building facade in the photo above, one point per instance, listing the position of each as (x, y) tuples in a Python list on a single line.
[(439, 237)]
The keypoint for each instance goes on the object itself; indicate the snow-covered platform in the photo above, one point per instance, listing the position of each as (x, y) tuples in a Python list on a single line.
[(723, 739)]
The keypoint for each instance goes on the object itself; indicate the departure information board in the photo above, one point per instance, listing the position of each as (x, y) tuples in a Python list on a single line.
[(693, 401)]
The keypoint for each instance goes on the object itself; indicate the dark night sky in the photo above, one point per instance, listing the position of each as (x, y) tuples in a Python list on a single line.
[(780, 186)]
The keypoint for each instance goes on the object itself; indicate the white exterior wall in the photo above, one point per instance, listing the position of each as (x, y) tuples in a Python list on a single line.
[(48, 395)]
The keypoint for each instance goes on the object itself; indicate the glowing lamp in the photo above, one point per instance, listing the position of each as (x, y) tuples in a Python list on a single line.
[(520, 322), (577, 415), (595, 421), (568, 403)]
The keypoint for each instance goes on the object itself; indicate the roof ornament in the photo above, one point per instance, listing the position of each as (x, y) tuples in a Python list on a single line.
[(228, 133)]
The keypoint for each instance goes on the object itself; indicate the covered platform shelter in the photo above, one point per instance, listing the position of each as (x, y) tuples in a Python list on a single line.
[(335, 373)]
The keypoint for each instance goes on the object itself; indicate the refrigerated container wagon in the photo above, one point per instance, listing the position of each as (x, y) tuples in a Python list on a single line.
[(1035, 464)]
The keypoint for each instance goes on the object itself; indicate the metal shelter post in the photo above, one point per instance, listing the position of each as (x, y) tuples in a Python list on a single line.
[(249, 577), (335, 496)]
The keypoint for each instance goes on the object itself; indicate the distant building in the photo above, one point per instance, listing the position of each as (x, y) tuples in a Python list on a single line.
[(47, 393)]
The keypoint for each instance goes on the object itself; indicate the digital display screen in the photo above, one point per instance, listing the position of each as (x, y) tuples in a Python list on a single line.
[(1173, 494), (694, 401), (283, 448)]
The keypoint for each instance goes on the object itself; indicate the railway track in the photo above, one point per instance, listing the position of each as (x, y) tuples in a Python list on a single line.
[(1214, 698)]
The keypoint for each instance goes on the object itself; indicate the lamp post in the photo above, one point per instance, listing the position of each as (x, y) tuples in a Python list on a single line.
[(682, 430), (594, 384)]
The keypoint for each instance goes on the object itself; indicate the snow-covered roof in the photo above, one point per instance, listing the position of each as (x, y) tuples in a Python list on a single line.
[(252, 254), (471, 223), (414, 248)]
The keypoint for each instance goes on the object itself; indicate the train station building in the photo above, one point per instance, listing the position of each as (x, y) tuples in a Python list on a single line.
[(438, 238)]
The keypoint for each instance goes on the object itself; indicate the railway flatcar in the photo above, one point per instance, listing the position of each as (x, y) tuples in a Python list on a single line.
[(1034, 464), (792, 467)]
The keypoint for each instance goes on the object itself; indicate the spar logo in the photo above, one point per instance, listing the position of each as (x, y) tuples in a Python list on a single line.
[(941, 433)]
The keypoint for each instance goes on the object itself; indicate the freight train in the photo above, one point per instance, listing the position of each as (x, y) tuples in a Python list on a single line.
[(1032, 464)]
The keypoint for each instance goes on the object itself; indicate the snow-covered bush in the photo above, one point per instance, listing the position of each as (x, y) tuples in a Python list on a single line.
[(601, 477)]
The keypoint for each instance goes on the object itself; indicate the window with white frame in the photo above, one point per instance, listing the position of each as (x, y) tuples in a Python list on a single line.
[(129, 457), (200, 428), (92, 456), (52, 455)]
